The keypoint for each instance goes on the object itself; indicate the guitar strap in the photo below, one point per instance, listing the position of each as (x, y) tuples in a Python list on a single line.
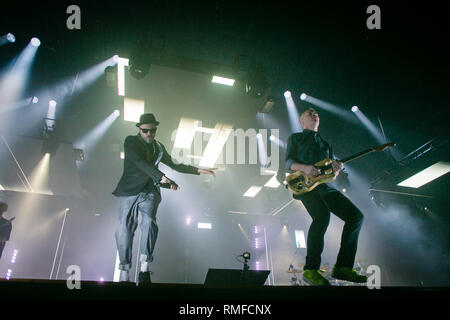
[(160, 152)]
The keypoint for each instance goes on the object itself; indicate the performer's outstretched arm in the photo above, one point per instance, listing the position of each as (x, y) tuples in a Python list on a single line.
[(167, 159), (180, 167)]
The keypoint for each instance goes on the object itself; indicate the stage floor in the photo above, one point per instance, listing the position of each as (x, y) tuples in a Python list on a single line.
[(18, 289)]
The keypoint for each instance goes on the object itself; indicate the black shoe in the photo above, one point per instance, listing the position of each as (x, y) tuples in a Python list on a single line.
[(144, 278)]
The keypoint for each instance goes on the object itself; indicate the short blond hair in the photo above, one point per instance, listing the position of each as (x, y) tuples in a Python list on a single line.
[(307, 111)]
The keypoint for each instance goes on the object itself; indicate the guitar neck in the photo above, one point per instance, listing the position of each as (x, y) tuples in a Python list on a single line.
[(357, 155)]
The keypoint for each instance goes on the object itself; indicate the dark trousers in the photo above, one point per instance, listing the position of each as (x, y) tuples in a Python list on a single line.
[(2, 246), (129, 208), (319, 203)]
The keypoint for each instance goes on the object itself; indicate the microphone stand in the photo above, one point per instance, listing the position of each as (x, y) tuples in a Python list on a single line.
[(246, 267)]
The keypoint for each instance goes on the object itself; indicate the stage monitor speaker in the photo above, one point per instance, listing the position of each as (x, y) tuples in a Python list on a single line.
[(236, 277)]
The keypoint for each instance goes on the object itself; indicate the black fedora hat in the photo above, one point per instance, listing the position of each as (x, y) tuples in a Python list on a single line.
[(147, 118)]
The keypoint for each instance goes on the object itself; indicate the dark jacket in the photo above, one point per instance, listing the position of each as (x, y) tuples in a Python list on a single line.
[(140, 167)]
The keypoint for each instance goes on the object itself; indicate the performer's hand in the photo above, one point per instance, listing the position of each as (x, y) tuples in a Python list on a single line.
[(211, 171), (337, 166), (173, 185), (312, 171)]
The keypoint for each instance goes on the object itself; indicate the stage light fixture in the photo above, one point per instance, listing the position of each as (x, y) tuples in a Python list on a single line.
[(303, 96), (51, 141), (52, 103), (256, 83), (132, 109), (203, 225), (222, 80), (267, 106), (35, 100), (35, 42), (7, 38), (79, 154), (139, 63), (10, 37), (355, 108), (287, 94), (50, 146), (8, 274), (284, 222), (14, 256), (120, 75), (117, 112), (427, 175), (252, 191)]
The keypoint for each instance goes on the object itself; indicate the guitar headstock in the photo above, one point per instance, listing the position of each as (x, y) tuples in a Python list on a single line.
[(385, 146)]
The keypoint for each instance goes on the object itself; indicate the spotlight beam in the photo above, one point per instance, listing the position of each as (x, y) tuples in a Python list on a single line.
[(339, 111), (19, 104), (279, 142), (25, 181), (13, 82), (40, 174), (294, 116), (88, 141), (370, 126), (262, 153), (73, 85)]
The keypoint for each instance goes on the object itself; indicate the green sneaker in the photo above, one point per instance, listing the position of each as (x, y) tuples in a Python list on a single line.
[(348, 274), (313, 277)]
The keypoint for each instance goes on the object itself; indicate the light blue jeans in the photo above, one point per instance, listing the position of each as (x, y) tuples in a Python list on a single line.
[(129, 208)]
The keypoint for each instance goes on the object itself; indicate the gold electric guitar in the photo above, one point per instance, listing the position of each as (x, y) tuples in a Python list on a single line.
[(299, 182)]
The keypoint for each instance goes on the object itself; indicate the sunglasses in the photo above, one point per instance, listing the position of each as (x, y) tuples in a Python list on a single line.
[(153, 130)]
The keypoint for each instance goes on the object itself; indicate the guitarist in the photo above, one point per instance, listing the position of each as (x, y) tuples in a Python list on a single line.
[(303, 150), (139, 191)]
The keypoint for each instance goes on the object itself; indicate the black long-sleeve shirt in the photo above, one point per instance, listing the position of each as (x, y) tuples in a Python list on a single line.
[(307, 147)]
